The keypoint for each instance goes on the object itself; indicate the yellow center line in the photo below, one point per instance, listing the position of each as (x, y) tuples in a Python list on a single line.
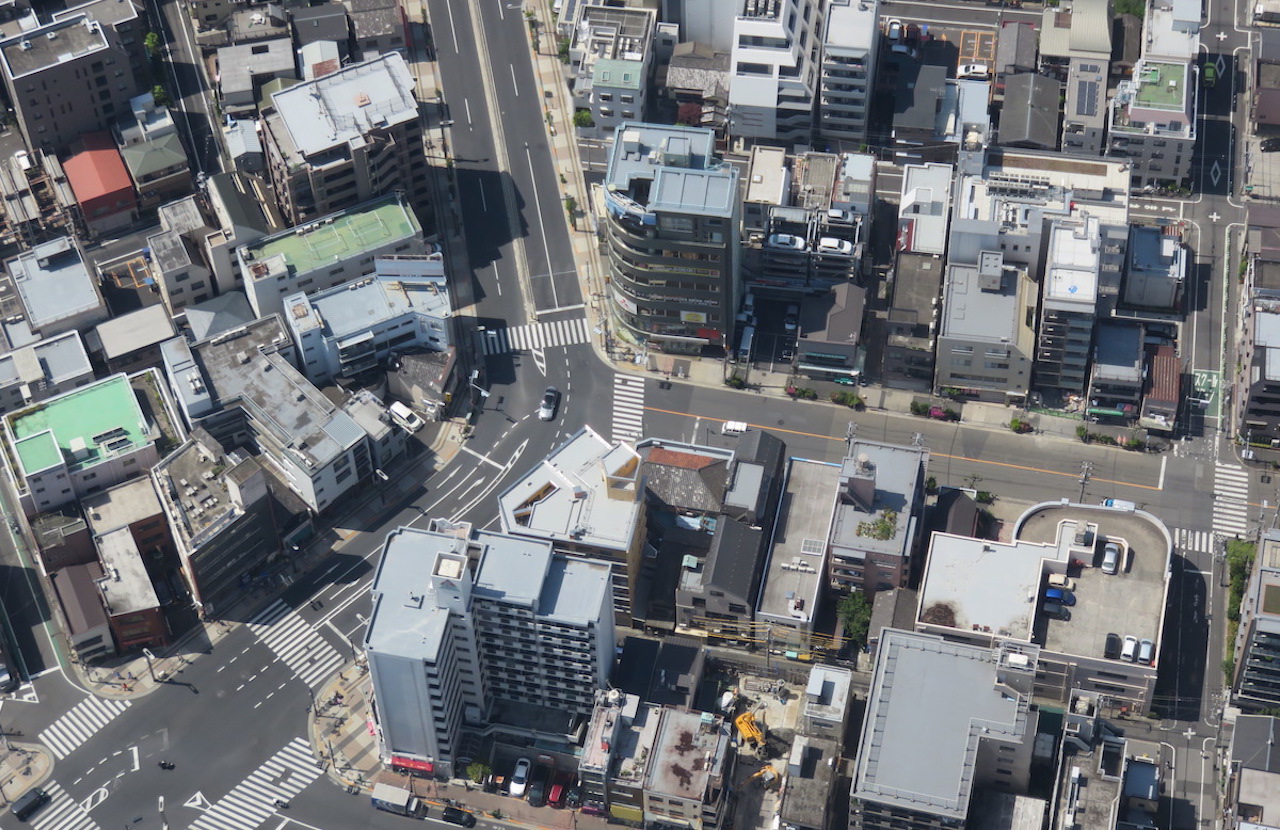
[(840, 439)]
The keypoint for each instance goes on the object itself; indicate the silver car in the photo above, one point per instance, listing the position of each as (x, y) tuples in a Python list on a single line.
[(550, 403)]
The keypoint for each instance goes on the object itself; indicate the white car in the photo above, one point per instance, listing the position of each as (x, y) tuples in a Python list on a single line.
[(786, 242), (520, 778), (895, 29), (550, 403), (973, 71), (831, 245), (839, 215)]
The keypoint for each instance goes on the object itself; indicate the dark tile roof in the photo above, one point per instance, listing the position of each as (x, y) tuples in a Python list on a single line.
[(734, 562), (1254, 743), (686, 480)]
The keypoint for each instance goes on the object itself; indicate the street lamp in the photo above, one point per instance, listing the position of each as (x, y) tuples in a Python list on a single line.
[(475, 373), (146, 652)]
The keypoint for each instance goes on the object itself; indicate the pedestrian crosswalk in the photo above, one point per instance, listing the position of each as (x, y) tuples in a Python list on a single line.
[(62, 812), (628, 408), (80, 724), (1192, 541), (299, 645), (252, 802), (542, 335), (1231, 500)]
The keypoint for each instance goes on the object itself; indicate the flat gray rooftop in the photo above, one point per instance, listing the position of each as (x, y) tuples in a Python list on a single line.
[(971, 312), (1130, 602), (929, 704), (56, 43), (52, 361), (688, 755), (54, 282), (895, 475), (122, 505), (413, 630), (805, 800), (671, 168), (797, 563), (127, 587)]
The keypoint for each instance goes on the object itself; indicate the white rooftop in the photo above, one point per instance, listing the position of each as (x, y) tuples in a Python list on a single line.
[(1073, 263)]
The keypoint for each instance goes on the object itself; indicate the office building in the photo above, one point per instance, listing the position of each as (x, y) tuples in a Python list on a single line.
[(328, 252), (586, 499), (342, 331), (827, 698), (1084, 123), (688, 783), (66, 78), (797, 564), (56, 291), (82, 441), (1069, 306), (1256, 684), (671, 232), (42, 370), (921, 763), (612, 58), (985, 593), (242, 387), (1157, 269), (460, 625), (131, 342), (345, 138), (1252, 792), (1153, 122), (1256, 384), (878, 519), (1118, 373), (777, 49), (849, 51)]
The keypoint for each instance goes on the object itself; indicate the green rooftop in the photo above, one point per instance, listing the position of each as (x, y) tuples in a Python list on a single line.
[(82, 427), (1161, 86), (619, 74), (338, 236)]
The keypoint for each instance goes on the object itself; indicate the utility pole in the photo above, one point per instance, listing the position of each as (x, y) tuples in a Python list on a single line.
[(850, 433), (1086, 470)]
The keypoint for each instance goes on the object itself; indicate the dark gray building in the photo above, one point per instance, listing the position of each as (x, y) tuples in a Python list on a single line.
[(671, 235), (828, 344), (1030, 114)]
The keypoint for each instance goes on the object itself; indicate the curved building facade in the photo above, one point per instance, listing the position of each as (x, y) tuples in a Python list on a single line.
[(671, 238)]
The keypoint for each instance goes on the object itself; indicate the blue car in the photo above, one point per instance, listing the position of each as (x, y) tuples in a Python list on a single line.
[(1060, 595)]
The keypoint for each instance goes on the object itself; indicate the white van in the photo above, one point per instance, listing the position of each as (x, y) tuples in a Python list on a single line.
[(733, 427), (405, 417), (1062, 581)]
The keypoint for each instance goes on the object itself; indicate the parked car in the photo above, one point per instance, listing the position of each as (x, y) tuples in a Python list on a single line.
[(839, 214), (538, 788), (1057, 610), (520, 778), (973, 71), (1111, 649), (550, 403), (1060, 595), (786, 242), (1111, 559), (904, 49), (831, 245), (1146, 652), (1270, 145), (895, 30), (1129, 651), (846, 380), (1062, 581), (792, 318), (555, 796)]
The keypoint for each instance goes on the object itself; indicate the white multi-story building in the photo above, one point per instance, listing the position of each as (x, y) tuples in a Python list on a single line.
[(849, 55), (347, 329), (777, 47), (612, 56), (459, 624)]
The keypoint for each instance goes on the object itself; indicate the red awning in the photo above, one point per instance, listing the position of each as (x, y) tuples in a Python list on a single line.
[(411, 763)]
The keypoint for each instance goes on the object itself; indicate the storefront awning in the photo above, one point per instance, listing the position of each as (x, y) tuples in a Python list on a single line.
[(413, 764)]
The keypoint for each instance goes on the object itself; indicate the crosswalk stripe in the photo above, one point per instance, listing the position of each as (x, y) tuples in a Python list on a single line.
[(81, 723), (535, 336), (283, 776), (62, 812), (628, 408), (299, 646)]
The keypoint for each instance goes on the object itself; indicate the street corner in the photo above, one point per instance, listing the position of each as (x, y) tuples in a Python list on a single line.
[(23, 766)]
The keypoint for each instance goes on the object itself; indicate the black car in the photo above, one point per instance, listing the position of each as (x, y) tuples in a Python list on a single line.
[(1111, 649), (29, 803), (460, 817), (1270, 145), (538, 788)]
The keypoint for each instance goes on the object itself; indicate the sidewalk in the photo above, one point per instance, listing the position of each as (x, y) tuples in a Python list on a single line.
[(22, 766)]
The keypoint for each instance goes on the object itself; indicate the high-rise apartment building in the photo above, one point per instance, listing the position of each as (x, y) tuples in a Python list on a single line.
[(849, 52), (461, 623), (777, 48), (671, 233), (345, 138)]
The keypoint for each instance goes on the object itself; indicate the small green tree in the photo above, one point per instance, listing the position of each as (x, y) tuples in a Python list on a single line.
[(161, 95), (477, 771), (854, 611), (582, 118), (152, 44)]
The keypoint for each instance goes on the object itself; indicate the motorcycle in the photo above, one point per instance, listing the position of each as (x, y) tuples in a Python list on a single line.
[(166, 765), (281, 803)]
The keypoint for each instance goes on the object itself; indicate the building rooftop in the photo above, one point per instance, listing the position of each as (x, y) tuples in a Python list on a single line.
[(1154, 253), (797, 562), (344, 235), (53, 361), (1155, 100), (827, 694), (358, 305), (1030, 114), (920, 88), (1163, 85), (811, 768), (982, 302), (136, 330), (918, 745), (373, 18), (406, 620), (668, 169), (120, 506), (53, 282), (238, 203), (223, 313), (80, 428), (875, 480), (126, 587), (1117, 352), (619, 74), (690, 753), (767, 176), (852, 26), (1086, 92), (1081, 28), (586, 491), (519, 570), (98, 170), (341, 108), (1072, 264), (59, 42), (150, 157), (1130, 602), (194, 477), (925, 208), (240, 63)]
